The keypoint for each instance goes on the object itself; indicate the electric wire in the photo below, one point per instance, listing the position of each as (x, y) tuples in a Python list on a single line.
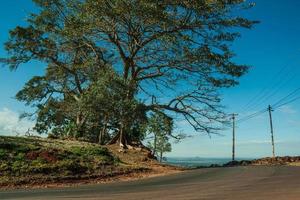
[(287, 77), (256, 114), (286, 103), (288, 96), (279, 88), (262, 93), (279, 104)]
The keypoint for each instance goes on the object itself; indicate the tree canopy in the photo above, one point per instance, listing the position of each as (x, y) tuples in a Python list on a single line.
[(111, 63)]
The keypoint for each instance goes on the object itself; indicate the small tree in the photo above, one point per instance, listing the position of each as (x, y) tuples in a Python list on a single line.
[(162, 146), (161, 126)]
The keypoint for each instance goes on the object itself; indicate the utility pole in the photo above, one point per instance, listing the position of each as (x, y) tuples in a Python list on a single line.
[(233, 136), (272, 131)]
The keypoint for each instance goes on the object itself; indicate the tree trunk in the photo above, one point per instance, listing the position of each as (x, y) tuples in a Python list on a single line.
[(154, 145), (161, 156), (115, 139), (103, 133), (122, 138), (79, 124)]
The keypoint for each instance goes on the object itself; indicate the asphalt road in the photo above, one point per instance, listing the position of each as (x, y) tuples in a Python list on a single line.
[(241, 183)]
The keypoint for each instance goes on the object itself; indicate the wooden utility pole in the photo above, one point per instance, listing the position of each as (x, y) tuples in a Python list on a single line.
[(233, 136), (272, 130)]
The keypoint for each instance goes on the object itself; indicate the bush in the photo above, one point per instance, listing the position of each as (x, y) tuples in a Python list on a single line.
[(72, 166), (18, 148), (19, 167), (39, 166), (4, 167), (20, 157), (8, 146), (3, 154)]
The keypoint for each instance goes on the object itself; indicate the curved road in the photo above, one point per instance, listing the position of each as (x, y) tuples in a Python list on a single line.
[(241, 183)]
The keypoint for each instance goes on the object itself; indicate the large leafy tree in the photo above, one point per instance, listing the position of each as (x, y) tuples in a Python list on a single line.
[(176, 53), (173, 54)]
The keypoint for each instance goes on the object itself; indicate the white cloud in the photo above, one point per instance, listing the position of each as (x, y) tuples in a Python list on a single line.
[(10, 124), (287, 110)]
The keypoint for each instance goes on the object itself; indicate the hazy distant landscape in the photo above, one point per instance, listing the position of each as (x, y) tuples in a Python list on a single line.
[(197, 161)]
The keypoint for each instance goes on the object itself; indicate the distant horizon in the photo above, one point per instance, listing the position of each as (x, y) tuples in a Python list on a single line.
[(187, 157)]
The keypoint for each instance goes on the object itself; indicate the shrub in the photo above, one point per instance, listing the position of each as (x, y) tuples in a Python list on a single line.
[(19, 167), (20, 157), (3, 154), (90, 151), (39, 166), (7, 146), (4, 167), (72, 166), (21, 149)]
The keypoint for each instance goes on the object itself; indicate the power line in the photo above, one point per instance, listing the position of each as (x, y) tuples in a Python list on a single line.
[(286, 78), (278, 89), (246, 118), (275, 106), (286, 97), (262, 93), (289, 102)]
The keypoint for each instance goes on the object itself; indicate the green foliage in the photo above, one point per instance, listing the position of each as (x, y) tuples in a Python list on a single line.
[(159, 123), (4, 167), (17, 148), (105, 104), (40, 167), (19, 167), (3, 154), (19, 157), (72, 167), (161, 127), (90, 151)]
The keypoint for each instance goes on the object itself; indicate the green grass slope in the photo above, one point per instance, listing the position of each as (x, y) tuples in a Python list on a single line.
[(37, 161)]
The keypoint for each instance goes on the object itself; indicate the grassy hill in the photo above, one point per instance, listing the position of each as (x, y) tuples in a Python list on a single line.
[(34, 161)]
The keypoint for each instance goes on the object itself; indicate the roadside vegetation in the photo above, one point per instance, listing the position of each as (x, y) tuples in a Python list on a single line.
[(34, 161)]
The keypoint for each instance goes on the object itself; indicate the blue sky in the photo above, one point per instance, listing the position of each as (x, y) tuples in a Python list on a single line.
[(270, 46)]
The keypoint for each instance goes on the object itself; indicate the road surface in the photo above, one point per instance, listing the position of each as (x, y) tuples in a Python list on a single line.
[(241, 183)]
